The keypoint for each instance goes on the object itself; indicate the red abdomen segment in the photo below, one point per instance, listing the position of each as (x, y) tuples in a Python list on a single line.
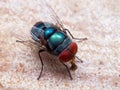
[(68, 53)]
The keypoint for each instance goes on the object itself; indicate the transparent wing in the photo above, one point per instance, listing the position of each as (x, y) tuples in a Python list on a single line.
[(26, 14), (22, 16), (49, 13)]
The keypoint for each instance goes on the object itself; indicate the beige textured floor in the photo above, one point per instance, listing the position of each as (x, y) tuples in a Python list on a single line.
[(98, 20)]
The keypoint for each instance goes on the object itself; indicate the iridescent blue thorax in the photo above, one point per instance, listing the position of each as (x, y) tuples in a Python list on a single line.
[(56, 40)]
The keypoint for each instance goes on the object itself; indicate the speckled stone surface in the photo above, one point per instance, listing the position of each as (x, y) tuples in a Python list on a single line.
[(98, 20)]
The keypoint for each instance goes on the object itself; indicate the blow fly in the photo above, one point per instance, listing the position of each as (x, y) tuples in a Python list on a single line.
[(56, 40)]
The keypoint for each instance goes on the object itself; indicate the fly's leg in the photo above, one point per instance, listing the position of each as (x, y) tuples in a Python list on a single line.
[(39, 53), (81, 39), (28, 42), (68, 71), (79, 59)]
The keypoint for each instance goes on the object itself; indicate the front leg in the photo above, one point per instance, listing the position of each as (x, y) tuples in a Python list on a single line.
[(68, 71), (39, 53)]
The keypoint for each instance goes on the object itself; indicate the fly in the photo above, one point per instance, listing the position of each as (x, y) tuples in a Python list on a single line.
[(56, 40)]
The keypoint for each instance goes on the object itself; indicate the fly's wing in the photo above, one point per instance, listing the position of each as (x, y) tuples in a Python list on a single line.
[(24, 38), (22, 16), (50, 14), (25, 14)]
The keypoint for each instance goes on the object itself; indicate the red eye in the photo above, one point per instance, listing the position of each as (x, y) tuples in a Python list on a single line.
[(73, 47), (69, 53)]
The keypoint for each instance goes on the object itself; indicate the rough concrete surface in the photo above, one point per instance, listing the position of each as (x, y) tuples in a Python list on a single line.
[(98, 20)]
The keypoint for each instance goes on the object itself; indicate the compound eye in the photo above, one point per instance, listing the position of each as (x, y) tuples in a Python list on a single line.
[(69, 53), (73, 48), (65, 56)]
